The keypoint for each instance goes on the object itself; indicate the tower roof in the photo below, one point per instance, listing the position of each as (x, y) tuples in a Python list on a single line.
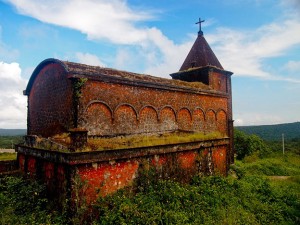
[(200, 55)]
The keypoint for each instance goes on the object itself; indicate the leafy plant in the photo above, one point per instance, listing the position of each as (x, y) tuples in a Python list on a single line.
[(22, 201), (246, 145)]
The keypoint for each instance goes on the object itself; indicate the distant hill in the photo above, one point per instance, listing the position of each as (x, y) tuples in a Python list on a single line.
[(12, 132), (273, 132)]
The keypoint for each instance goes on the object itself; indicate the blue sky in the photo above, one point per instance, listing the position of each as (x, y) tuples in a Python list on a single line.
[(258, 40)]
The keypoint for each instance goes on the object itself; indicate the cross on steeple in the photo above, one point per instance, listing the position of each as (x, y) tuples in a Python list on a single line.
[(199, 22)]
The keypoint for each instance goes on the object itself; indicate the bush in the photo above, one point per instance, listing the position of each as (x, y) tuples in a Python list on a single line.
[(208, 200), (23, 201), (245, 145)]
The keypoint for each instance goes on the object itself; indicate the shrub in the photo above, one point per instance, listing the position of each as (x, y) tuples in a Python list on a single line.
[(245, 145), (23, 201)]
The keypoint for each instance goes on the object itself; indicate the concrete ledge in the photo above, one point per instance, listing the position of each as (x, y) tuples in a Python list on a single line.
[(74, 158)]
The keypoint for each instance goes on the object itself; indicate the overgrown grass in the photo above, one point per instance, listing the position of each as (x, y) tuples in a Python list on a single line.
[(277, 165), (24, 201), (135, 141), (129, 141), (8, 156), (209, 200)]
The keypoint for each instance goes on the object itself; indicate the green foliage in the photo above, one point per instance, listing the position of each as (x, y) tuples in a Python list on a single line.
[(77, 85), (291, 146), (273, 132), (208, 200), (245, 145), (9, 141), (22, 202), (277, 165)]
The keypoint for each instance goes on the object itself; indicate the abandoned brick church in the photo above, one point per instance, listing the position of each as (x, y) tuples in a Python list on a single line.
[(73, 107)]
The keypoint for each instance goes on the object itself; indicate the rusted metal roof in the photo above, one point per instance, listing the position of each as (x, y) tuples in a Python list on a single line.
[(200, 55)]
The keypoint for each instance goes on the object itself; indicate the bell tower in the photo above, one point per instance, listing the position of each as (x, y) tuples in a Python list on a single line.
[(201, 65)]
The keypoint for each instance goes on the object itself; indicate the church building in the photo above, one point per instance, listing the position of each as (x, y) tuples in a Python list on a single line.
[(74, 108)]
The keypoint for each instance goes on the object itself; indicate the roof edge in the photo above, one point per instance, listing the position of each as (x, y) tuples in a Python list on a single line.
[(38, 69), (209, 67)]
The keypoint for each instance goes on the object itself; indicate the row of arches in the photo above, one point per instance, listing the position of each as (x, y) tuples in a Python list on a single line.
[(157, 111), (100, 119)]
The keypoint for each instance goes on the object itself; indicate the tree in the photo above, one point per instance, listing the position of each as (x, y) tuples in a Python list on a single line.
[(248, 144)]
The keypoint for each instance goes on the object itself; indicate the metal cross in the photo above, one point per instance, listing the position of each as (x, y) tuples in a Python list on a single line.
[(199, 22)]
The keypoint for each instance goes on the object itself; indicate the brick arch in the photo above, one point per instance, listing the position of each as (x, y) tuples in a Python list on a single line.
[(98, 118), (222, 121), (129, 105), (150, 107), (100, 102), (167, 118), (198, 117), (125, 119), (148, 119), (220, 111), (184, 119), (210, 120)]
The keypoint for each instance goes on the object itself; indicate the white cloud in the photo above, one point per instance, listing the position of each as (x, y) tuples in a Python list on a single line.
[(103, 19), (12, 102), (89, 59), (293, 66), (116, 22), (254, 118), (244, 52), (240, 51)]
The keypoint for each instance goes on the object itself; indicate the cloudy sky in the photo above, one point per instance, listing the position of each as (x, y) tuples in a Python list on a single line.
[(258, 40)]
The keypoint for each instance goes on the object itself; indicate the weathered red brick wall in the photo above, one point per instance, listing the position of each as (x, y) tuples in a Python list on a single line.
[(110, 109), (54, 175), (50, 103), (105, 172), (218, 81), (114, 108)]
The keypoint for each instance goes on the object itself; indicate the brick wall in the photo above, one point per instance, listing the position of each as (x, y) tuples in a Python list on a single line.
[(104, 172), (50, 103), (110, 109)]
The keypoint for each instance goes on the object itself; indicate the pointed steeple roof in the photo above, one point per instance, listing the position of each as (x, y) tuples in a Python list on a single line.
[(200, 55)]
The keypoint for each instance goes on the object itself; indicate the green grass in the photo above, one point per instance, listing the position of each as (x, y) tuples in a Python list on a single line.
[(8, 156), (135, 141), (277, 165)]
